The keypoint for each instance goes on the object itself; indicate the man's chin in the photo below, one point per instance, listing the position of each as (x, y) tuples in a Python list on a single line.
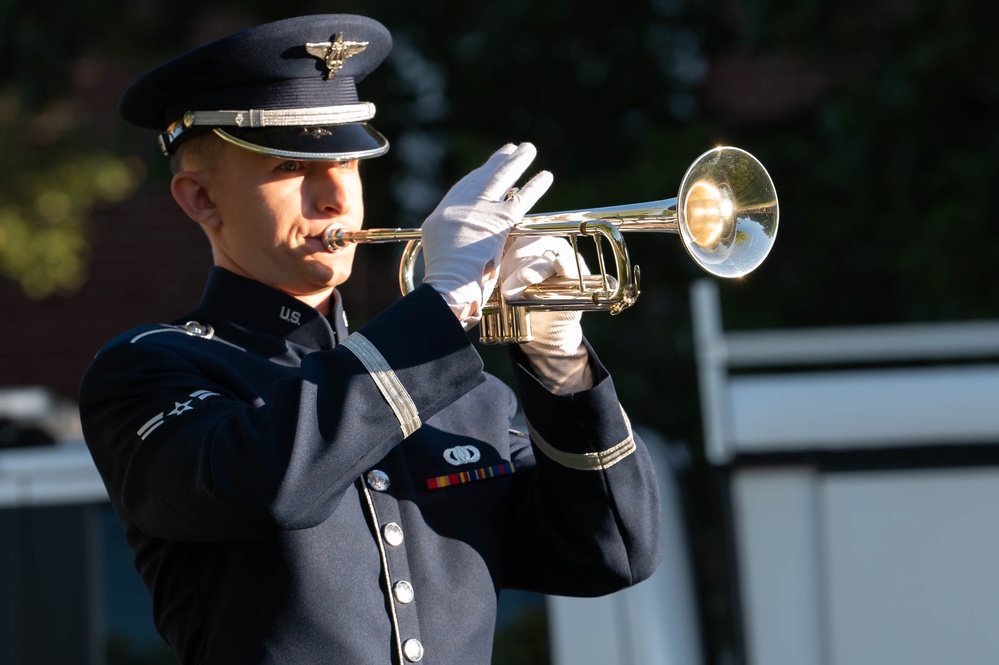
[(315, 282), (328, 270)]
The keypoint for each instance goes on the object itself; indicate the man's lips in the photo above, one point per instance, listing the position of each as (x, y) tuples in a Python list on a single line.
[(317, 241)]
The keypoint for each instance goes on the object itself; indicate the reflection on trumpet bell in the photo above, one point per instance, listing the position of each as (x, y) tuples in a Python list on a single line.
[(708, 211)]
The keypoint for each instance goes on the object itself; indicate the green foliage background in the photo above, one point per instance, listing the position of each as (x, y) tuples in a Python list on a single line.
[(880, 137)]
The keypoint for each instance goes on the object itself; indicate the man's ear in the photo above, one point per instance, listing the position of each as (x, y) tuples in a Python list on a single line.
[(190, 191)]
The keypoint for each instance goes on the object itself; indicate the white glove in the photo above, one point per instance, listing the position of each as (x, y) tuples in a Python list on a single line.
[(557, 353), (463, 237)]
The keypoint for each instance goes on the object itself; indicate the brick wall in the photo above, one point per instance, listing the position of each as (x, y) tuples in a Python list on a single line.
[(149, 265)]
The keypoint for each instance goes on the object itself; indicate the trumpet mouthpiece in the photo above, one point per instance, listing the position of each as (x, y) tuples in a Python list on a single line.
[(332, 238)]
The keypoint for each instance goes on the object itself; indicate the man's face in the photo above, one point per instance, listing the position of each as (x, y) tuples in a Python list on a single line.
[(272, 215)]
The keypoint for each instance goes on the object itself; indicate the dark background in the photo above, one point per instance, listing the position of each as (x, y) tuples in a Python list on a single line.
[(876, 120)]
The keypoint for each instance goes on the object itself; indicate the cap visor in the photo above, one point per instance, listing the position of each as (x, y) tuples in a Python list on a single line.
[(329, 143)]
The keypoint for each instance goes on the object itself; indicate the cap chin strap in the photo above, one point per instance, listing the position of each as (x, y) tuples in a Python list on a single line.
[(253, 118)]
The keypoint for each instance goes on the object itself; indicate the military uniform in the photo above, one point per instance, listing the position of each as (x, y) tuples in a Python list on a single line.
[(280, 512), (297, 494)]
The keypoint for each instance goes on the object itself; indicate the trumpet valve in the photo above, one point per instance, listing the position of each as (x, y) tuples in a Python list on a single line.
[(503, 323)]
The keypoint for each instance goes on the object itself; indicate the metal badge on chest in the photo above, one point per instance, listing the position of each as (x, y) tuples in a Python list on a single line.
[(462, 455)]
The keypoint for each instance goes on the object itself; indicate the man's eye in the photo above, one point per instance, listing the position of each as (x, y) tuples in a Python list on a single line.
[(290, 166)]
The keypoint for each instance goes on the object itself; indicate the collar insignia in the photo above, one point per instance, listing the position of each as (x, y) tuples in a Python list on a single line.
[(335, 53)]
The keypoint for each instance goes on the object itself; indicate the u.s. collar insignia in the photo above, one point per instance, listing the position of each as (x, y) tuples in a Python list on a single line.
[(462, 455), (335, 53)]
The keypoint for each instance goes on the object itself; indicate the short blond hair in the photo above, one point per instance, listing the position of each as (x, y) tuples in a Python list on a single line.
[(199, 152)]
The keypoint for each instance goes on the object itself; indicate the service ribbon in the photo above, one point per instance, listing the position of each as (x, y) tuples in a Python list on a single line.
[(469, 476)]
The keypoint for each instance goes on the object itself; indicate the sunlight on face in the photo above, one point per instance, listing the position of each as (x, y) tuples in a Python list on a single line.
[(272, 216)]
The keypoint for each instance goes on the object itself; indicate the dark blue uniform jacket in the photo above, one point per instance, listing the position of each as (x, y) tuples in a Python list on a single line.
[(284, 507)]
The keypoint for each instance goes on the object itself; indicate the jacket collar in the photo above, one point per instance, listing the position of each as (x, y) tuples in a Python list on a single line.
[(251, 304)]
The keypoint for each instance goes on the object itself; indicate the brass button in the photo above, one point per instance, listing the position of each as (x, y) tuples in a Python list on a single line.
[(378, 480), (413, 650), (392, 533), (403, 591)]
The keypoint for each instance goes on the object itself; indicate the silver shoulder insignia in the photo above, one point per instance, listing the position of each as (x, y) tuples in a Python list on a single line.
[(196, 329)]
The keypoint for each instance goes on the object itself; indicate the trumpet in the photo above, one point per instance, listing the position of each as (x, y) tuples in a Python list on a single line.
[(725, 211)]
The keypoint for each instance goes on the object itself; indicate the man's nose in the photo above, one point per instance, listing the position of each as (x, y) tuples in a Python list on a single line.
[(333, 195)]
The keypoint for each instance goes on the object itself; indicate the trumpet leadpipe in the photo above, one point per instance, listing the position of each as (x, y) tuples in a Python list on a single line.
[(336, 237)]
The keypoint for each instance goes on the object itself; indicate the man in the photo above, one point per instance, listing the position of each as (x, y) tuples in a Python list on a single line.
[(295, 493)]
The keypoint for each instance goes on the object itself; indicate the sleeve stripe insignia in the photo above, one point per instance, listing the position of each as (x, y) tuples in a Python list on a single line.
[(469, 476), (387, 382), (150, 425), (597, 461)]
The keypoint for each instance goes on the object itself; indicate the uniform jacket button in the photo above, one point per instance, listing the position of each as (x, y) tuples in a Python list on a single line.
[(413, 650), (392, 533), (378, 480), (404, 592)]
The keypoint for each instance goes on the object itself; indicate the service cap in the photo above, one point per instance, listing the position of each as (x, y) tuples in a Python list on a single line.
[(286, 89)]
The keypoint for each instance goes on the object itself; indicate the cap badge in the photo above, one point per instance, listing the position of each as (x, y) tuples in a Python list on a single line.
[(335, 53)]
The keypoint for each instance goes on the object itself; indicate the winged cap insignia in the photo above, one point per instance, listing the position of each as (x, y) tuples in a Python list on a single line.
[(335, 53)]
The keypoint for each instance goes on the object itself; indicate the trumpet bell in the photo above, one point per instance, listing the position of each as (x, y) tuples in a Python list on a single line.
[(727, 212)]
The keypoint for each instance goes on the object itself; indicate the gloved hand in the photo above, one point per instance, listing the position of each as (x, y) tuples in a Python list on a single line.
[(463, 238), (556, 353)]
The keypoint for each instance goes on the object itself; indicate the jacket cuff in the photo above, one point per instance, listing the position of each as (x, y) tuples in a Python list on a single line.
[(583, 431)]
